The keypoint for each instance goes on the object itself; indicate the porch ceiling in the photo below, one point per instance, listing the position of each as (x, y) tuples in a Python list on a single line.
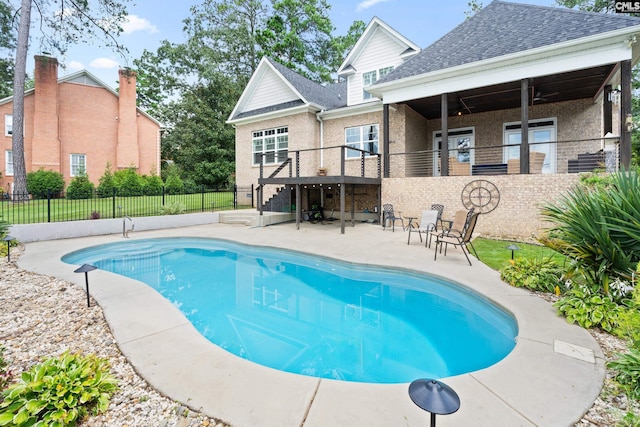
[(546, 89)]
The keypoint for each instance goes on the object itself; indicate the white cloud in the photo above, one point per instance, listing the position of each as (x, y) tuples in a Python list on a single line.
[(75, 65), (134, 23), (104, 63), (366, 4)]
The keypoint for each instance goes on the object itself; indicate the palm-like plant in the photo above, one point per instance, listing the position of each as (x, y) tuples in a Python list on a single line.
[(598, 228)]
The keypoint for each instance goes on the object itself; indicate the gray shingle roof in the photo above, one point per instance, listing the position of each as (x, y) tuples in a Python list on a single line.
[(503, 28), (330, 96)]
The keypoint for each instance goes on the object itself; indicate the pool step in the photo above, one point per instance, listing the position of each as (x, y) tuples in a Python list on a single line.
[(248, 218), (252, 218)]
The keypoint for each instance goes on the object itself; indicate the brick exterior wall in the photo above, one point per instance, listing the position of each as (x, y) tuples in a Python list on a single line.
[(86, 121), (517, 215)]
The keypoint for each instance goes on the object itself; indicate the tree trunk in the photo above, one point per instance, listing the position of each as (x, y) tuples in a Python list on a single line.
[(19, 169)]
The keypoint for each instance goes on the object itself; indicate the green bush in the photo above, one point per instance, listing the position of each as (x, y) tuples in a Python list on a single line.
[(41, 181), (629, 319), (597, 228), (173, 184), (588, 309), (175, 208), (627, 367), (538, 274), (106, 183), (152, 185), (128, 182), (59, 392), (80, 188)]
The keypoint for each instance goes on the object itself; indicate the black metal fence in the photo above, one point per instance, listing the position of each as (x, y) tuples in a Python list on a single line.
[(23, 209)]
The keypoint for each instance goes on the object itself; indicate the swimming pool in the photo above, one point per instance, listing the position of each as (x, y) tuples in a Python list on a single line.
[(314, 316)]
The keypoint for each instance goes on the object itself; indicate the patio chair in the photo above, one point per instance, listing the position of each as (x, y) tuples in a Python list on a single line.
[(389, 215), (459, 240), (536, 161), (455, 227), (428, 222)]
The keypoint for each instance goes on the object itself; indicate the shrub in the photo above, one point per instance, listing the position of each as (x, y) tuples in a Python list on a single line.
[(152, 185), (588, 309), (128, 182), (80, 188), (106, 184), (629, 319), (175, 208), (95, 215), (173, 184), (538, 274), (597, 227), (41, 181), (627, 367), (59, 392)]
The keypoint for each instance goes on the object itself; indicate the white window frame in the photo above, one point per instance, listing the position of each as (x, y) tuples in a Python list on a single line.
[(273, 143), (462, 142), (546, 129), (360, 137), (370, 77), (8, 163), (8, 124), (77, 161)]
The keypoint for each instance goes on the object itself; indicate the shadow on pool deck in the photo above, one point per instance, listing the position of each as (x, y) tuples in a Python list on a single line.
[(551, 377)]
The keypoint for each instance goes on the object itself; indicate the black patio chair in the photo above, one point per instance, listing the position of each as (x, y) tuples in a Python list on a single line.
[(389, 215)]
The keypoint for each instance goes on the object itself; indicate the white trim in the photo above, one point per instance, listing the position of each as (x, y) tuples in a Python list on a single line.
[(6, 162), (8, 123), (573, 55), (71, 163), (374, 106), (374, 24), (308, 108)]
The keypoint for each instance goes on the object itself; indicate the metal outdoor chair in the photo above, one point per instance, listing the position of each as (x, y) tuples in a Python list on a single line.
[(428, 222), (388, 214), (463, 240)]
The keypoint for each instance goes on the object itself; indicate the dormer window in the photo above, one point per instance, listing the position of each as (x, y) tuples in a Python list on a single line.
[(371, 77)]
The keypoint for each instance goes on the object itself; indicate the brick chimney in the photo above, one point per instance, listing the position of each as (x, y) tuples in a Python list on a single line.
[(127, 149), (46, 135)]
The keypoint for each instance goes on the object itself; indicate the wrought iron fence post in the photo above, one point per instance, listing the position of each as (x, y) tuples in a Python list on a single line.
[(202, 198), (163, 195), (113, 201), (48, 205), (253, 205), (235, 196)]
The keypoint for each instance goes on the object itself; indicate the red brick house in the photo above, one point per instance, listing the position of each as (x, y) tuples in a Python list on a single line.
[(78, 123)]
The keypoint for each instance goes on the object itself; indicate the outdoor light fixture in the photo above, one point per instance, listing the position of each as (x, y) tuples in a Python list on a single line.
[(8, 239), (86, 268), (628, 122), (435, 397), (513, 247)]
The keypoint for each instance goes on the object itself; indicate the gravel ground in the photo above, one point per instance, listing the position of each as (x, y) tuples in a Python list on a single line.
[(41, 316)]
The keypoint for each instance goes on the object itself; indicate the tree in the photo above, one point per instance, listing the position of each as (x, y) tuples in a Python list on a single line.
[(474, 7), (7, 42), (298, 35), (63, 23), (606, 6)]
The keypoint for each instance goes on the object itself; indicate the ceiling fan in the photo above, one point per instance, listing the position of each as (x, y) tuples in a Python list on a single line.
[(539, 96)]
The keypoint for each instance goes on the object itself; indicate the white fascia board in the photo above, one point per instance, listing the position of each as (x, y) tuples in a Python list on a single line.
[(307, 108), (352, 110), (558, 58)]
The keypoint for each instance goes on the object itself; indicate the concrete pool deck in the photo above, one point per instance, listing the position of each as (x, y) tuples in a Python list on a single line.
[(551, 378)]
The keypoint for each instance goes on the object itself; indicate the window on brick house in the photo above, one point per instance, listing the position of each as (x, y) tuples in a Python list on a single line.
[(78, 164), (8, 124), (8, 163), (272, 143), (362, 137)]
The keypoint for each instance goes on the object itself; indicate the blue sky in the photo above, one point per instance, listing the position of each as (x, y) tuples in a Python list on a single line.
[(151, 21)]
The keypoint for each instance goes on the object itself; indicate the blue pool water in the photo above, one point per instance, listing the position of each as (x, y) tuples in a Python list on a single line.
[(314, 316)]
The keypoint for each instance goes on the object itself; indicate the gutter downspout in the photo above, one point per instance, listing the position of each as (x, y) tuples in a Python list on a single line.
[(319, 119)]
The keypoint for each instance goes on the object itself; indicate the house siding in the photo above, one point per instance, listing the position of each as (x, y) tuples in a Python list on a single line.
[(271, 90), (381, 51)]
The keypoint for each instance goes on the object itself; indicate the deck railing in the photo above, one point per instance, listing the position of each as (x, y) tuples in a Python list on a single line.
[(545, 157)]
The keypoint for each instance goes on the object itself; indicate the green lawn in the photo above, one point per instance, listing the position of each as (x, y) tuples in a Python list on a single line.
[(495, 254)]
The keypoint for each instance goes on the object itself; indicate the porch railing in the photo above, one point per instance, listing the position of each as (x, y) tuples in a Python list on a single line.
[(545, 157)]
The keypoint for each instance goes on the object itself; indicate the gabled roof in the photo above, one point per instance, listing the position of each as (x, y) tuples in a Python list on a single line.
[(307, 92), (504, 28), (375, 25)]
